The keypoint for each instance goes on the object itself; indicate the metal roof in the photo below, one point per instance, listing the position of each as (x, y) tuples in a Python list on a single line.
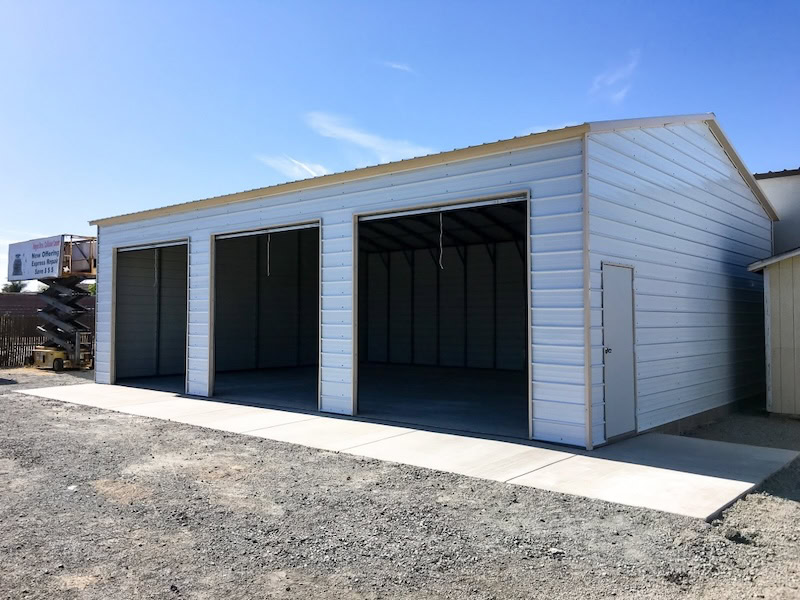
[(772, 174), (470, 152), (759, 265)]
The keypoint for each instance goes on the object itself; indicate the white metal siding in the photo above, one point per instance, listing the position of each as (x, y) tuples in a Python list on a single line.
[(553, 174), (668, 202)]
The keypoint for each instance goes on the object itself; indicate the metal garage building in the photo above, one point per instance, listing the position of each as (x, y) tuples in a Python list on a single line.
[(573, 286)]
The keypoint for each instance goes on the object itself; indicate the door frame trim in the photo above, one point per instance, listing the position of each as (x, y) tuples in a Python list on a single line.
[(521, 195), (635, 429), (121, 248), (217, 236)]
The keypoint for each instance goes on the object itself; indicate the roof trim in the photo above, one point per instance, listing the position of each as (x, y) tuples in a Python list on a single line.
[(500, 147), (774, 174), (616, 125), (745, 172), (471, 152), (761, 264)]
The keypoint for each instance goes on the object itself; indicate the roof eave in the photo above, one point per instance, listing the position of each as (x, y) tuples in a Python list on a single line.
[(636, 123), (492, 148), (743, 170), (709, 119), (760, 265)]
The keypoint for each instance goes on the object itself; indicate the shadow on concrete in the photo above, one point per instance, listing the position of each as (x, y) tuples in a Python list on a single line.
[(756, 427)]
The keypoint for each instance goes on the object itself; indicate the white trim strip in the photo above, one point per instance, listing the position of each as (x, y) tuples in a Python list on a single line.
[(443, 208), (228, 236), (184, 242), (759, 265)]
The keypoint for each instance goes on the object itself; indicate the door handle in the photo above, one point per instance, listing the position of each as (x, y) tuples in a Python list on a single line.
[(607, 350)]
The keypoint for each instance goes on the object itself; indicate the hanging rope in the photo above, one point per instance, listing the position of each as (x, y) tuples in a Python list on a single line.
[(269, 236), (441, 233)]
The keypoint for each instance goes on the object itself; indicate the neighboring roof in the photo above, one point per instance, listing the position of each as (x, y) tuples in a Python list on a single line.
[(760, 264), (773, 174), (471, 152)]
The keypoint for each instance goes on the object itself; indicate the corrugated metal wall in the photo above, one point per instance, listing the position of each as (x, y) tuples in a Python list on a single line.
[(447, 334), (151, 312), (236, 306), (136, 314), (783, 322), (262, 320), (668, 202), (172, 310), (552, 173)]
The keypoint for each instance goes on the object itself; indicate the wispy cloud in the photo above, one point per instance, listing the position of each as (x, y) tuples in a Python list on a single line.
[(293, 168), (619, 95), (386, 150), (615, 83), (398, 66)]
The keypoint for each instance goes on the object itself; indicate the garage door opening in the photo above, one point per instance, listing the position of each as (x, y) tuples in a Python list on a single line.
[(442, 318), (266, 318), (150, 315)]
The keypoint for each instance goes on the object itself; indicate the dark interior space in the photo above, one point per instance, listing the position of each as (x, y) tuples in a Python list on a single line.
[(150, 330), (266, 318), (442, 319)]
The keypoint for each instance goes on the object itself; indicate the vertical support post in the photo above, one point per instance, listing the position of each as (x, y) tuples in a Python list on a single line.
[(413, 292), (210, 307), (494, 305), (388, 307), (587, 301), (257, 304), (529, 311), (354, 351), (299, 263), (465, 265), (365, 324), (438, 315), (157, 350)]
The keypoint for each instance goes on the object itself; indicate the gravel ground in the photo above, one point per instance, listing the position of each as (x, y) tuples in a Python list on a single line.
[(97, 504)]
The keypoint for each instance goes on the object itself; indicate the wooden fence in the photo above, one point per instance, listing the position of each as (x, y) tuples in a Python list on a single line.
[(18, 338)]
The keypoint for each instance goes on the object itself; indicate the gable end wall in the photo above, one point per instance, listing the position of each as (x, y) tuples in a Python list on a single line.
[(668, 201)]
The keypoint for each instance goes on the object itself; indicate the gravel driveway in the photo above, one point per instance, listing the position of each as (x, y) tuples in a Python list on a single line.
[(98, 504)]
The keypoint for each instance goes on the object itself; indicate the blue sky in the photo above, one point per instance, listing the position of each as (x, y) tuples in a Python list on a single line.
[(111, 107)]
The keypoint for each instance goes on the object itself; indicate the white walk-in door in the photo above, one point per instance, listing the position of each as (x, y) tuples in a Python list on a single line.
[(618, 356)]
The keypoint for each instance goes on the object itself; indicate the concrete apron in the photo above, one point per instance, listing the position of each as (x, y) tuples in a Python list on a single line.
[(686, 476)]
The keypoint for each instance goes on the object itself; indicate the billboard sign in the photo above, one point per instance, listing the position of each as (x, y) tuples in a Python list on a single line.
[(35, 259)]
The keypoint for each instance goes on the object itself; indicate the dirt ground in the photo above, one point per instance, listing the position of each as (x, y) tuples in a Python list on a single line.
[(98, 504)]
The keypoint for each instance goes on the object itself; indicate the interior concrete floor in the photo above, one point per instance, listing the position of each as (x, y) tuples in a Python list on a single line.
[(159, 383), (483, 401), (290, 387)]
